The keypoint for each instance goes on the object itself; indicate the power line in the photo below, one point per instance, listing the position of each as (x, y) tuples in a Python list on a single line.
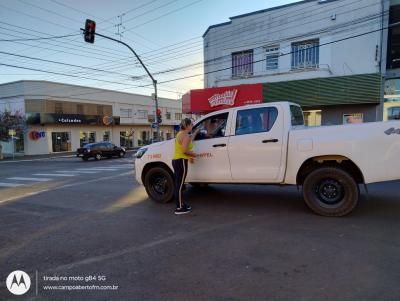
[(62, 63), (164, 15), (217, 60), (38, 39), (285, 54)]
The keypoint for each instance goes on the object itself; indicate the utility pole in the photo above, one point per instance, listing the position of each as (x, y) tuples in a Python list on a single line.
[(119, 27), (90, 31)]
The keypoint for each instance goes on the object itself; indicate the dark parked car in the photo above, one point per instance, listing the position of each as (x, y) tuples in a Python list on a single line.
[(100, 149)]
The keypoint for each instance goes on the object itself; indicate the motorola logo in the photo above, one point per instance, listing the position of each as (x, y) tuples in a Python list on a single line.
[(18, 282)]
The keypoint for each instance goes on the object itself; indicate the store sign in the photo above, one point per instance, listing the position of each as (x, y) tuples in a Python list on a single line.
[(211, 99), (353, 118), (45, 118), (227, 98), (107, 120), (69, 120), (34, 135)]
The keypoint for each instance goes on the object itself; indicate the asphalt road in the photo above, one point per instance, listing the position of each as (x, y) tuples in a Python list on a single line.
[(240, 242)]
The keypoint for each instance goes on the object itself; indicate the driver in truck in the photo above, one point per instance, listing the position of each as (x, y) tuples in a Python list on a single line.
[(183, 153)]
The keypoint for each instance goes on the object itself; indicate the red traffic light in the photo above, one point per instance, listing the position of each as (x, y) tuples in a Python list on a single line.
[(90, 31), (158, 112)]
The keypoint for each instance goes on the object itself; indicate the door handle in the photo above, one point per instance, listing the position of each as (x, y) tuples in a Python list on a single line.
[(219, 145), (270, 141)]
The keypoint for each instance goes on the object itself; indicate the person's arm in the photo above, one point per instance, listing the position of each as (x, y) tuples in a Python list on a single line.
[(185, 146), (193, 136)]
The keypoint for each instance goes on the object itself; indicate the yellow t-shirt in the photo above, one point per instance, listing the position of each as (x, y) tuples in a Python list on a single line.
[(179, 153)]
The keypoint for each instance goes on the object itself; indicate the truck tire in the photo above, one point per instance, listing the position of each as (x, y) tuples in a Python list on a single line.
[(330, 191), (159, 185)]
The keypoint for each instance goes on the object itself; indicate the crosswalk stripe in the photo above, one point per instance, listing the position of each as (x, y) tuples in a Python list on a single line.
[(29, 179), (53, 175), (96, 169), (76, 171), (10, 184)]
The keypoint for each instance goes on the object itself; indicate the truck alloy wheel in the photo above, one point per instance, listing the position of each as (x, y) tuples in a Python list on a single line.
[(330, 191), (159, 185)]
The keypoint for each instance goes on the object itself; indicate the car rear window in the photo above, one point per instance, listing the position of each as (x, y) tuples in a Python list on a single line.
[(296, 115)]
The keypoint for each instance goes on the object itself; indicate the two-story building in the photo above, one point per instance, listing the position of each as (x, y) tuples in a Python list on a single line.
[(327, 55), (61, 117)]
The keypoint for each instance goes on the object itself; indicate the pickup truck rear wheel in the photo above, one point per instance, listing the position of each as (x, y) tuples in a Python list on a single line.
[(330, 191), (159, 185)]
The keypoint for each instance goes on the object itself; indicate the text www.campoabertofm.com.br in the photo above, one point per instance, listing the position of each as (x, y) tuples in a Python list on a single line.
[(79, 287)]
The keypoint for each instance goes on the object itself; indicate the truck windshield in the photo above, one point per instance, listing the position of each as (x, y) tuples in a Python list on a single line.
[(297, 115)]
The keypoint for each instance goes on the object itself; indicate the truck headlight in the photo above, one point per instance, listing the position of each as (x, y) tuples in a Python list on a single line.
[(140, 153)]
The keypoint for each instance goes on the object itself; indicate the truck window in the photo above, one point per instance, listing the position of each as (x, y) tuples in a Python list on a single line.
[(296, 115), (212, 127), (257, 120)]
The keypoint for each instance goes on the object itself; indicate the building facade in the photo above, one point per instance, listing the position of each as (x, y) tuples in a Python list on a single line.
[(61, 118), (328, 56)]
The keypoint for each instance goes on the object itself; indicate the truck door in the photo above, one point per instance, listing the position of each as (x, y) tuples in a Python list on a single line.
[(255, 146), (211, 144)]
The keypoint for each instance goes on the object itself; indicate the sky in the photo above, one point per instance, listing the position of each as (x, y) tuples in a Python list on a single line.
[(165, 33)]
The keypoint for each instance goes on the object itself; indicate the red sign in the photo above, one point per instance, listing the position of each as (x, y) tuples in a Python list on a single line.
[(212, 99), (34, 135)]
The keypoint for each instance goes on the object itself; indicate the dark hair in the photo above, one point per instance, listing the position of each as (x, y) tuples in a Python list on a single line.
[(185, 123)]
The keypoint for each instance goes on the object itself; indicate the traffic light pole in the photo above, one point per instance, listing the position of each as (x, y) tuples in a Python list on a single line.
[(147, 71)]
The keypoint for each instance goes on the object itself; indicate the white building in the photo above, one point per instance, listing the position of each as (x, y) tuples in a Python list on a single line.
[(62, 118), (329, 56)]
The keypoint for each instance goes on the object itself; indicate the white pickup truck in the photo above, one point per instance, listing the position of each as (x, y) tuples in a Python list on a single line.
[(269, 144)]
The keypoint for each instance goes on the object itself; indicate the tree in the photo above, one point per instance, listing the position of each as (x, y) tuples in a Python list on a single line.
[(8, 121)]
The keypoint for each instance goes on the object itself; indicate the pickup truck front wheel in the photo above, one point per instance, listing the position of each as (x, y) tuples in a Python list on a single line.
[(159, 185), (330, 191)]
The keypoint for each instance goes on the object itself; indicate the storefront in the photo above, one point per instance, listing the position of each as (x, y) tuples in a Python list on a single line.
[(325, 101)]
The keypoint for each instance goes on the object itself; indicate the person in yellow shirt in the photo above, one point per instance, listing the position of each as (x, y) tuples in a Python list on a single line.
[(183, 153)]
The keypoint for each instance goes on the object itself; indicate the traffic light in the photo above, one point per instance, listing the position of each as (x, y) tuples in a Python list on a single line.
[(158, 113), (90, 29)]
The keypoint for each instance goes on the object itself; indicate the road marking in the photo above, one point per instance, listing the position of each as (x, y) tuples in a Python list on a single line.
[(53, 175), (29, 179), (118, 166), (65, 186), (10, 184), (76, 171), (98, 169)]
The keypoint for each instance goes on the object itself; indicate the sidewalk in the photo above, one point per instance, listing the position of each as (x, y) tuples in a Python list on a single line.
[(49, 156)]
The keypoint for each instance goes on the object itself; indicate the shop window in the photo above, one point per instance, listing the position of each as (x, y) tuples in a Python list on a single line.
[(393, 47), (391, 99), (255, 120), (107, 136), (353, 118), (305, 54), (312, 118), (86, 137), (61, 141), (212, 127), (272, 57), (242, 63), (125, 139)]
